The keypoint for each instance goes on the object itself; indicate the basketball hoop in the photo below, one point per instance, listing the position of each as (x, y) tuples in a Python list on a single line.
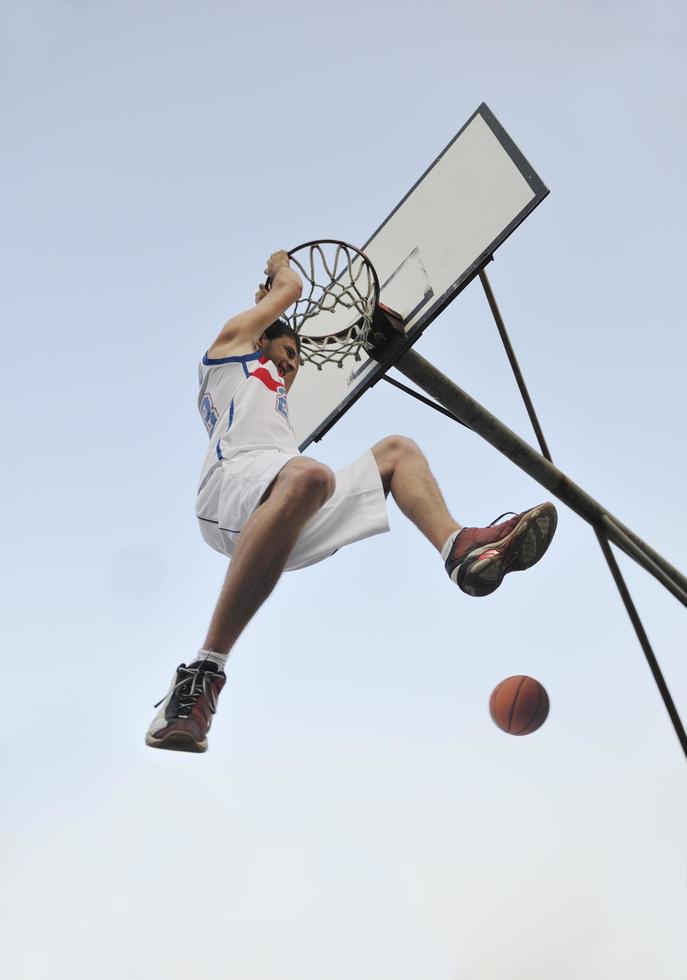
[(340, 287)]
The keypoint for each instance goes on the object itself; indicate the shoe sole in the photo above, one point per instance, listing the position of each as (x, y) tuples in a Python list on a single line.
[(525, 546), (177, 742)]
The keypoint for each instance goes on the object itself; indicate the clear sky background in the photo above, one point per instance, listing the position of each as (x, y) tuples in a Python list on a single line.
[(358, 813)]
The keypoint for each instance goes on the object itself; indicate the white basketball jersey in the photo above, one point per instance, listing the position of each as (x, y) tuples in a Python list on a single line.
[(242, 401)]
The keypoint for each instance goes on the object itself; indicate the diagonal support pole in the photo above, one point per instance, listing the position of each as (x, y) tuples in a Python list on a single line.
[(643, 640), (480, 420), (421, 398), (512, 359)]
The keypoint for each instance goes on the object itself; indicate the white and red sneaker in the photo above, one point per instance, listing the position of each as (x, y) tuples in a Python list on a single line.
[(481, 556), (186, 711)]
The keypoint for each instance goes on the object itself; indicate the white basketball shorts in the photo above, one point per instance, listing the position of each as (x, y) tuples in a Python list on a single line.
[(356, 509)]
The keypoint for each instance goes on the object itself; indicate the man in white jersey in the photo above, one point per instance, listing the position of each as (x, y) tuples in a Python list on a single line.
[(270, 509)]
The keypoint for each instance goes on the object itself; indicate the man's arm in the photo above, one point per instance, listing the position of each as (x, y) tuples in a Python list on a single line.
[(240, 334)]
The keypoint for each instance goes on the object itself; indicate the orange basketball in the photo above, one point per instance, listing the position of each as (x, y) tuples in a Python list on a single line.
[(519, 705)]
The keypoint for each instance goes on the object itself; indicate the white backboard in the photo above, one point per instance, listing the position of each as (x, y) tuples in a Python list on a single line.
[(445, 229)]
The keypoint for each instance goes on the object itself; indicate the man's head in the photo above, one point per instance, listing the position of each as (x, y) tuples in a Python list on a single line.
[(281, 345)]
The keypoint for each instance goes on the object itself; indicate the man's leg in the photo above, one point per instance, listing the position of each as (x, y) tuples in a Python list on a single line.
[(406, 475), (264, 546), (476, 558), (257, 563)]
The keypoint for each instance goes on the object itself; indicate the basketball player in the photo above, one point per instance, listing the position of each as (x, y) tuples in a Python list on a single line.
[(269, 509)]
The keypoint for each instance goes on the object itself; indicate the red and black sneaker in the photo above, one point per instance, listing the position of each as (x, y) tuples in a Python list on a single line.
[(481, 556), (185, 714)]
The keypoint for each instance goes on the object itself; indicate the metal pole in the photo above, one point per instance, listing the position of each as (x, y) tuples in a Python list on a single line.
[(513, 361), (486, 425), (644, 642)]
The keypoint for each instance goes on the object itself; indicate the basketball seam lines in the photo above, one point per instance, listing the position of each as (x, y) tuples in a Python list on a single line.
[(513, 704)]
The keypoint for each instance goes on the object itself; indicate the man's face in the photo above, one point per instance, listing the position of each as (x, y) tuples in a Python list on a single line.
[(283, 354)]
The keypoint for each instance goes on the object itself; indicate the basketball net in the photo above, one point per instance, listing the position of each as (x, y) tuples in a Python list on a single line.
[(334, 315)]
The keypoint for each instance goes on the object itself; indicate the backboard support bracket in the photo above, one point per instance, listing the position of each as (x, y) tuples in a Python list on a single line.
[(387, 326)]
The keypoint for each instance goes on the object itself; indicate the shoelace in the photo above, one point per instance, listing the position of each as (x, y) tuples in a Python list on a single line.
[(197, 681), (512, 512)]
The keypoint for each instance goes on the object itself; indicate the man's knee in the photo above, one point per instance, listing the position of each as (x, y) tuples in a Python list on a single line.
[(306, 478), (392, 450)]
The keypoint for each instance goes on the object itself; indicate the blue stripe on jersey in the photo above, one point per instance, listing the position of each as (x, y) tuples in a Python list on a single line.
[(227, 360), (229, 425)]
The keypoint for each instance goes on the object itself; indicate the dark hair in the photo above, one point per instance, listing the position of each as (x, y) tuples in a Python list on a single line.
[(281, 329)]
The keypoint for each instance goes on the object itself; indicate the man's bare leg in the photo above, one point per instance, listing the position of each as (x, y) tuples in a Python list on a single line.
[(475, 558), (264, 546), (406, 475), (185, 714)]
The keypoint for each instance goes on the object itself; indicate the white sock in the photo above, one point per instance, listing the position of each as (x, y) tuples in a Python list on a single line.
[(450, 540), (215, 658)]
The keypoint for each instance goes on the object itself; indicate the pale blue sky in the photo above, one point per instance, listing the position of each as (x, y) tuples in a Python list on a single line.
[(358, 814)]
